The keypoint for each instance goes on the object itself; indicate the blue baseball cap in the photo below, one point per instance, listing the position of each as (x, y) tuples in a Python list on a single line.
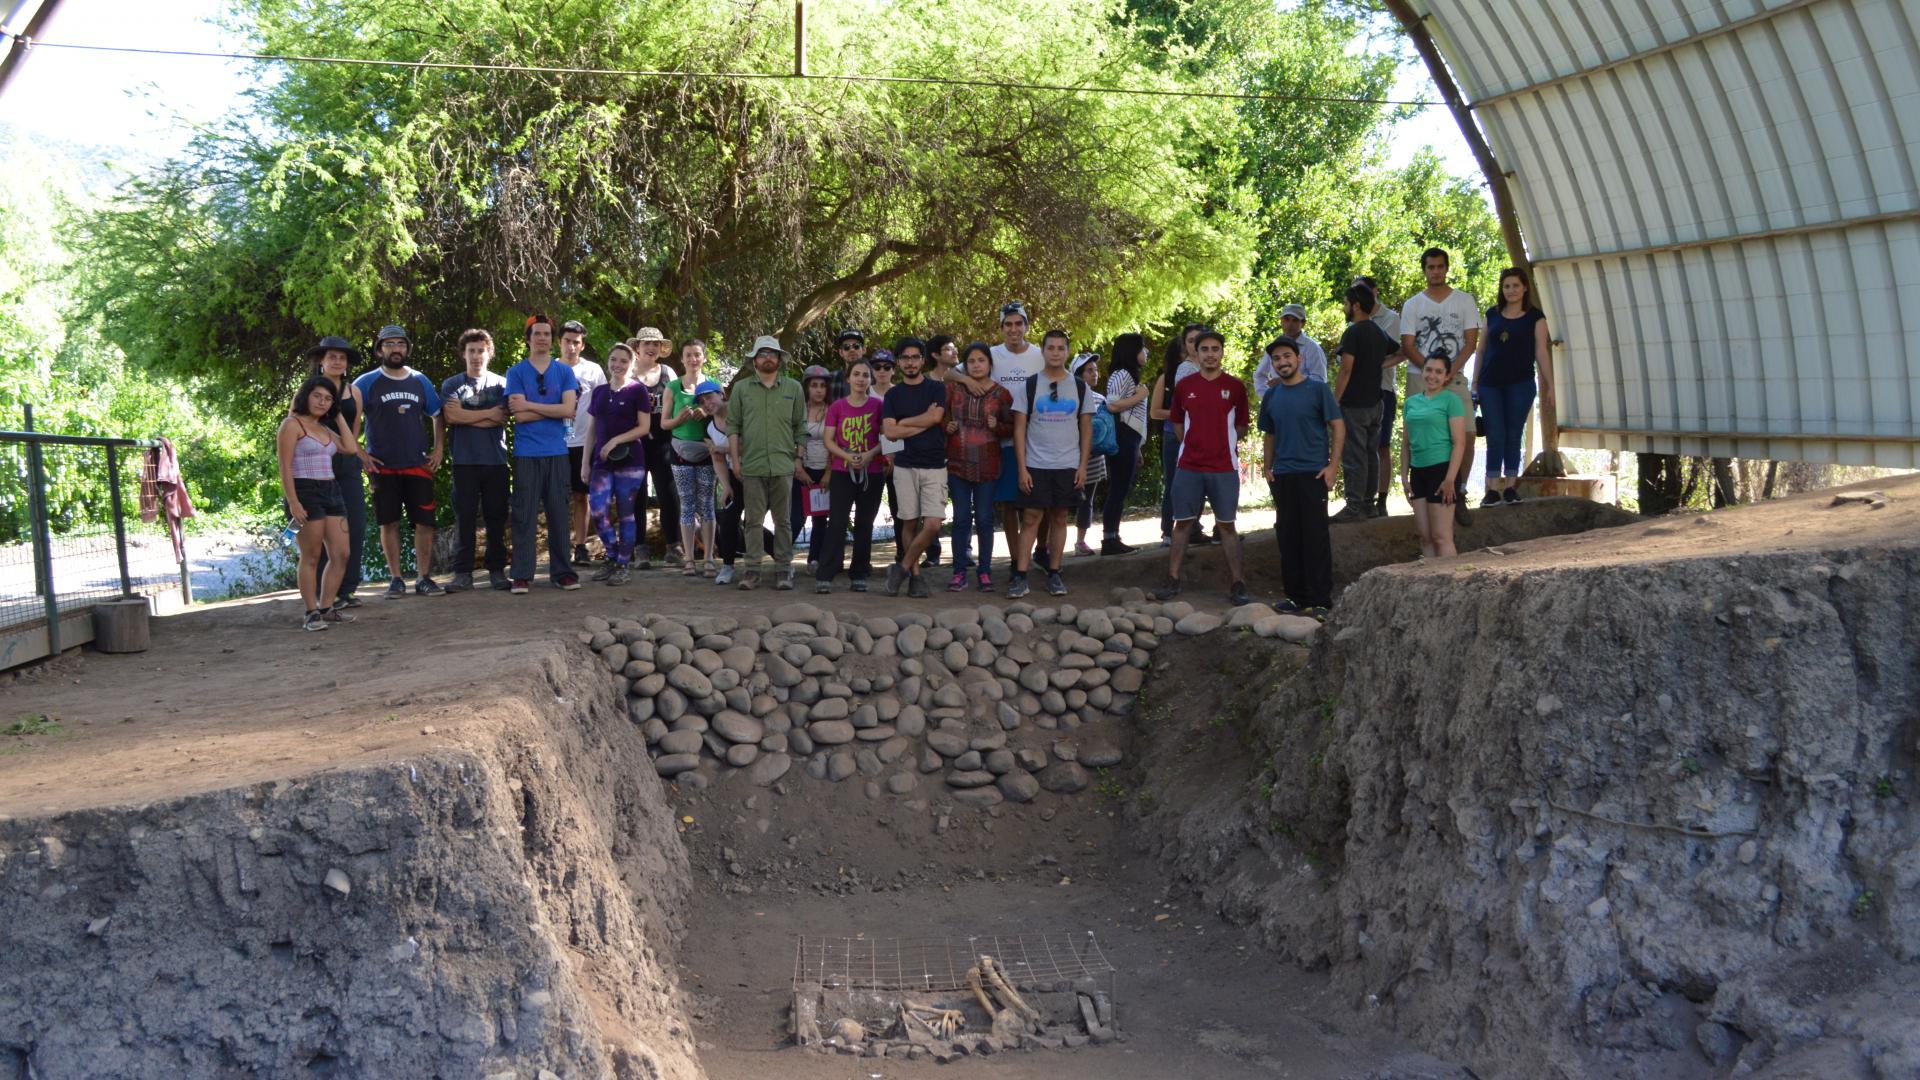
[(707, 386)]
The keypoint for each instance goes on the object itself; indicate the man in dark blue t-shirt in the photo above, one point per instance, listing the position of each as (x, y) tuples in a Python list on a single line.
[(1303, 434), (914, 412), (401, 407), (474, 411)]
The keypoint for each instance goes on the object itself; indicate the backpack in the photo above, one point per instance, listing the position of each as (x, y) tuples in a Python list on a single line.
[(1104, 440)]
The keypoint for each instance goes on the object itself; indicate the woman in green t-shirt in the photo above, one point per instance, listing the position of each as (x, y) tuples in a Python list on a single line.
[(693, 477), (1436, 442)]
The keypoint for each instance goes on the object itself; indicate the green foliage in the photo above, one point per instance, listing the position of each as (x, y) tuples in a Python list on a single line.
[(32, 724)]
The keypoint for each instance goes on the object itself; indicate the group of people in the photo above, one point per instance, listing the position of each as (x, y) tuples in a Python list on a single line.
[(1018, 436)]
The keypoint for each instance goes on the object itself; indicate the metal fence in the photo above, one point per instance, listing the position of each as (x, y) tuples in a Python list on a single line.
[(71, 535)]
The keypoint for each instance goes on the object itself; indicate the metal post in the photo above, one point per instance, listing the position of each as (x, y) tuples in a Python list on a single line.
[(119, 520), (42, 539)]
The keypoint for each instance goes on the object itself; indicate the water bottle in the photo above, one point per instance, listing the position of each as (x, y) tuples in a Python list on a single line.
[(288, 534)]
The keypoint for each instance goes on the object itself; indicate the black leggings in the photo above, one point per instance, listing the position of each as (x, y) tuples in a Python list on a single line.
[(799, 514), (861, 504), (1122, 468), (665, 495)]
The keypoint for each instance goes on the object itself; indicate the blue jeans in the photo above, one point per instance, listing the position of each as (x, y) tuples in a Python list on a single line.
[(972, 518), (1505, 409)]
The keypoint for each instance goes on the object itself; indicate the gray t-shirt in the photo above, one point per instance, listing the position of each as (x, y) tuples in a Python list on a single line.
[(476, 445), (1388, 320), (1053, 428)]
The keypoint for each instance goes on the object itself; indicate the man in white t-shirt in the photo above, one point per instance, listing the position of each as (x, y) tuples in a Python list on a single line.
[(1443, 319), (573, 346), (1388, 320), (1015, 360)]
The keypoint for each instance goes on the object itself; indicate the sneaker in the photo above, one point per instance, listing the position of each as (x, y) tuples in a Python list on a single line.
[(1512, 495), (1167, 591), (461, 583), (602, 574), (519, 586), (1375, 510), (620, 576), (750, 580), (823, 586), (397, 589), (1055, 586), (1461, 514), (498, 579), (347, 601), (929, 559), (1080, 548), (314, 621), (1238, 594), (958, 583), (334, 615), (426, 586), (1317, 614), (784, 583), (1286, 606), (1017, 586), (858, 584), (1380, 505), (568, 582), (986, 582), (1352, 513), (642, 561), (580, 556), (724, 576), (1166, 541), (1114, 546), (917, 587), (1491, 498), (896, 577)]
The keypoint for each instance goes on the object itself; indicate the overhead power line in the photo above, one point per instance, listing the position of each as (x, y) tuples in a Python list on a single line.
[(642, 73)]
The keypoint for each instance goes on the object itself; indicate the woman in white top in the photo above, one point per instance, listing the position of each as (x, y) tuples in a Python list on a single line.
[(1127, 400)]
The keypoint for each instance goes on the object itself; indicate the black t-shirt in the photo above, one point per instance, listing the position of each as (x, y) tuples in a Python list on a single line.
[(1369, 346), (928, 449)]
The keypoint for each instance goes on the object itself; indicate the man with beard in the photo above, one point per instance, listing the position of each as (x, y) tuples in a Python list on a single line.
[(766, 425), (401, 405)]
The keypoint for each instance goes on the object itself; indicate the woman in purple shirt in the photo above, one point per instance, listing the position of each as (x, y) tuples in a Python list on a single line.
[(619, 416)]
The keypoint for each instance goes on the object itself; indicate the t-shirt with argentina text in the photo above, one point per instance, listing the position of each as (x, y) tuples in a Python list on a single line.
[(1440, 326), (586, 375), (925, 449), (1053, 423), (400, 415), (476, 445), (546, 437), (1297, 417), (1369, 348), (856, 429), (616, 412), (1429, 433), (1213, 411)]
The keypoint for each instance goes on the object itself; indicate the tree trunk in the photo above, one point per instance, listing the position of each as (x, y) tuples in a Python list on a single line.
[(1773, 473), (1724, 491), (1659, 483)]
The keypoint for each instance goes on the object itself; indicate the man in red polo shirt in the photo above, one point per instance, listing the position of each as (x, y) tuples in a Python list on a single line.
[(1210, 417)]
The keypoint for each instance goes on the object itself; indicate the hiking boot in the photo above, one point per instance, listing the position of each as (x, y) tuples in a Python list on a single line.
[(1055, 586), (602, 574), (1017, 586), (1167, 591), (520, 586), (1351, 514), (896, 577), (314, 621), (426, 586), (1238, 594), (858, 584), (917, 587), (498, 579), (397, 589), (1113, 545), (461, 583), (568, 582), (642, 560), (957, 583), (334, 615), (784, 583), (724, 576), (750, 580), (620, 576), (1461, 514), (1317, 614)]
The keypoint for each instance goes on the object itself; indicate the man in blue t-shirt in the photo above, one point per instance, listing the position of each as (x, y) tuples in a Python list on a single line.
[(474, 410), (401, 407), (541, 393), (1303, 435)]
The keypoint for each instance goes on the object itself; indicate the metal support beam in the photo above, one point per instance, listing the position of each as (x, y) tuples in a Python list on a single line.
[(42, 537), (17, 50), (1748, 436), (1740, 238)]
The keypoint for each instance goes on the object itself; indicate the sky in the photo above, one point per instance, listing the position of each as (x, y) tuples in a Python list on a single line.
[(145, 107)]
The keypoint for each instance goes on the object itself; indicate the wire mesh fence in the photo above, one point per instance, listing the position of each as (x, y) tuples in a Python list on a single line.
[(72, 535), (1035, 958)]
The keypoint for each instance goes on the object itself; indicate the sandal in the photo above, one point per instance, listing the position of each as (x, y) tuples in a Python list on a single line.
[(690, 568), (710, 569)]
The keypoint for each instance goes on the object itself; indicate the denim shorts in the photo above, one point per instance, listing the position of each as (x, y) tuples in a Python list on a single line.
[(319, 498), (1192, 489)]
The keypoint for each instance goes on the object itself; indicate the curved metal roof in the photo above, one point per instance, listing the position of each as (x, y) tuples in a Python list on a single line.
[(1719, 199)]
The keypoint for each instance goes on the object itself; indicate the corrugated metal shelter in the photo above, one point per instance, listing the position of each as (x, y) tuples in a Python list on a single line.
[(1719, 199)]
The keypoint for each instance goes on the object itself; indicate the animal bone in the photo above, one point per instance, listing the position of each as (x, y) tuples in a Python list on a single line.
[(1005, 991), (973, 984)]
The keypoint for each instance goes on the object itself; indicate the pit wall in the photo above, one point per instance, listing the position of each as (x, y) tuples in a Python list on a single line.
[(1547, 822), (506, 905)]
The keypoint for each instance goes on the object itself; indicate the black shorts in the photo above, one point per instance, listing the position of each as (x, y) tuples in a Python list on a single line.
[(1052, 489), (395, 492), (1426, 480), (319, 498), (576, 455)]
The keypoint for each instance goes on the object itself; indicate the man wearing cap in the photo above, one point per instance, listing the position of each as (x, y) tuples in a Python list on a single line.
[(541, 397), (848, 345), (474, 411), (401, 405), (1312, 358), (586, 376), (766, 425)]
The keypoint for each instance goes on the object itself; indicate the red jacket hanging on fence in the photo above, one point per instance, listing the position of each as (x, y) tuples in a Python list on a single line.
[(161, 488)]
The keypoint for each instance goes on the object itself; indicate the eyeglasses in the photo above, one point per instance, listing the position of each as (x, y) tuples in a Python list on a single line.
[(910, 356)]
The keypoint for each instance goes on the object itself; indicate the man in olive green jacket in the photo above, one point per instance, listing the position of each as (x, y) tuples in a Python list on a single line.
[(766, 426)]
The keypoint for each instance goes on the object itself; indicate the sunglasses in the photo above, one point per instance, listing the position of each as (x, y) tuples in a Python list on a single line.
[(540, 383), (845, 345)]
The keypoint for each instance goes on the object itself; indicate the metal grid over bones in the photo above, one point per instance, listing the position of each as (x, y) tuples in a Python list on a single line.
[(934, 965)]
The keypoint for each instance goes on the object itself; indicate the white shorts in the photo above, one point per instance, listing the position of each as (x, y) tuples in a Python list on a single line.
[(921, 493)]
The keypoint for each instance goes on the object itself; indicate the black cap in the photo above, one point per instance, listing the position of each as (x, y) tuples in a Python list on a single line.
[(850, 334)]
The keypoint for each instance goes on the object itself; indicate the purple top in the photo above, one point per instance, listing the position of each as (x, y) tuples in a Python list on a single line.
[(616, 412)]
